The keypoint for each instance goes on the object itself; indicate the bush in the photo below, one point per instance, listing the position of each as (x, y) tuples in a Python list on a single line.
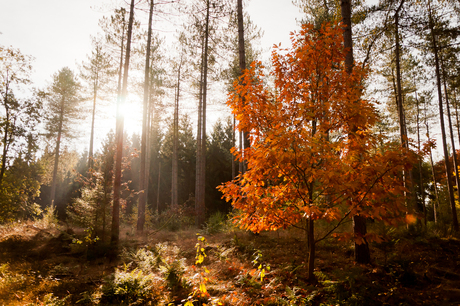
[(216, 223), (126, 287), (144, 259)]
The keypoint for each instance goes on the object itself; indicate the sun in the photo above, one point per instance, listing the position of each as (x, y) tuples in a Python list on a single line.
[(132, 113)]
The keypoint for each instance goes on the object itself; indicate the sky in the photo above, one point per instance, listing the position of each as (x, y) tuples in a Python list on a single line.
[(57, 32)]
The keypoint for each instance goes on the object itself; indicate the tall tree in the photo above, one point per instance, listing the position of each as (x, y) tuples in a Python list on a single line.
[(142, 179), (242, 59), (435, 52), (63, 109), (96, 73), (18, 114), (295, 175), (175, 158), (362, 253), (119, 135)]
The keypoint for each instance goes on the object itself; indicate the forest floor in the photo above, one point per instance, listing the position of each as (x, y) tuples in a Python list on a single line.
[(48, 266)]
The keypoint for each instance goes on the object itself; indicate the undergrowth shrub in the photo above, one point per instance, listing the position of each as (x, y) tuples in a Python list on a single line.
[(126, 287), (8, 279), (173, 274), (216, 223), (51, 300), (147, 260), (48, 218)]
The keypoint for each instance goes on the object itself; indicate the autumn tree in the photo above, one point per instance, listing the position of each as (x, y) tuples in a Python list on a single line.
[(63, 109), (313, 154)]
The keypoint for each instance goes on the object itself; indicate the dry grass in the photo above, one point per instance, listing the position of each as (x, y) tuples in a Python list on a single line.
[(40, 265)]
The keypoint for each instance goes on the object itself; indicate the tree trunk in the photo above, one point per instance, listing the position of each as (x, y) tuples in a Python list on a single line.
[(362, 254), (454, 154), (115, 234), (311, 250), (422, 193), (443, 130), (198, 152), (233, 144), (399, 100), (201, 183), (174, 189), (456, 115), (56, 154), (142, 183), (435, 183), (5, 134), (93, 117), (148, 154), (242, 62), (158, 190)]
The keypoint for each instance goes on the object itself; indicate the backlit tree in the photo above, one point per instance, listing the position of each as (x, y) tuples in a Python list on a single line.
[(313, 154)]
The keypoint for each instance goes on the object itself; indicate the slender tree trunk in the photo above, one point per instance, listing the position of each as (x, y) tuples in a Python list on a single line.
[(435, 183), (5, 142), (142, 182), (198, 151), (240, 145), (422, 193), (362, 254), (311, 250), (104, 207), (399, 100), (311, 226), (201, 183), (158, 190), (456, 115), (174, 189), (115, 235), (233, 144), (443, 130), (454, 154), (91, 141), (148, 154), (93, 117), (5, 134), (56, 153), (242, 63)]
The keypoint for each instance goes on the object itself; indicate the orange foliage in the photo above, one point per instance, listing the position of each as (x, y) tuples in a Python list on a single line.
[(313, 153)]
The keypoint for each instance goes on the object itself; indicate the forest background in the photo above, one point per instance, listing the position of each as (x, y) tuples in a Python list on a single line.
[(397, 60)]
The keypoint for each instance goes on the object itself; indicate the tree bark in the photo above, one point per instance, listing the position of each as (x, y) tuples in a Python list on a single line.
[(242, 63), (115, 233), (399, 100), (200, 205), (421, 190), (454, 154), (93, 117), (435, 183), (362, 254), (174, 189), (56, 154), (5, 134), (143, 161)]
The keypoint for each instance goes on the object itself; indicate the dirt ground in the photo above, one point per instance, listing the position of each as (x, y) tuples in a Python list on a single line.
[(50, 267)]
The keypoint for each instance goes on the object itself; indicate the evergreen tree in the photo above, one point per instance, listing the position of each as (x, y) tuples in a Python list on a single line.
[(63, 109)]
